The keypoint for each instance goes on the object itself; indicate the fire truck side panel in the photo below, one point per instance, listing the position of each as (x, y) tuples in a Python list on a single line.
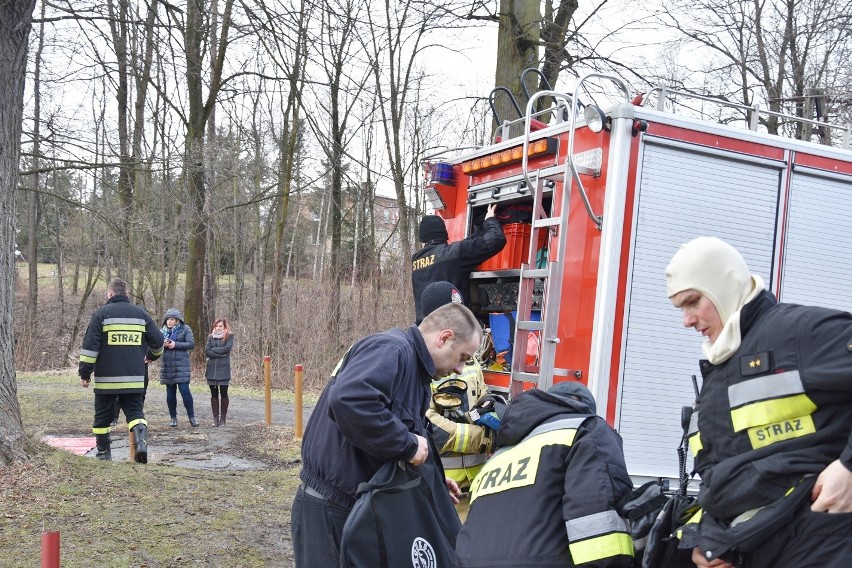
[(579, 262), (685, 190), (784, 204), (818, 240)]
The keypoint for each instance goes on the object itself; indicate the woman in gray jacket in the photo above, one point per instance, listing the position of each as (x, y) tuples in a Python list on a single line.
[(175, 373), (218, 374)]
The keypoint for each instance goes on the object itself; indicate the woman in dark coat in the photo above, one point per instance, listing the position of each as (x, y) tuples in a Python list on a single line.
[(175, 373), (218, 373)]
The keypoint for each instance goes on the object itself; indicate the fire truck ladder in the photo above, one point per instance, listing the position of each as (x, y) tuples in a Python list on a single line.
[(552, 274)]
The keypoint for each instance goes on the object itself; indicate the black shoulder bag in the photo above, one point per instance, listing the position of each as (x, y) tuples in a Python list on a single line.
[(396, 523)]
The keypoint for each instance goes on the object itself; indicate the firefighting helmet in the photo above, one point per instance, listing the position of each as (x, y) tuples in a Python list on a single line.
[(450, 395)]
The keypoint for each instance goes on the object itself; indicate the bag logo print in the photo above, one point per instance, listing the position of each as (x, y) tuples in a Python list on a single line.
[(422, 554)]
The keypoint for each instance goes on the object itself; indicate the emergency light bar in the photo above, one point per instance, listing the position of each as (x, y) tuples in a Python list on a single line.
[(510, 155)]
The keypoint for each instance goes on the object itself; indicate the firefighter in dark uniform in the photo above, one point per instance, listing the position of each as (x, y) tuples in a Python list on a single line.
[(548, 496), (453, 262), (771, 427), (120, 340)]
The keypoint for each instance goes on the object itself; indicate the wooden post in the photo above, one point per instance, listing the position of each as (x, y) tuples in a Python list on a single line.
[(131, 441), (298, 410), (267, 387)]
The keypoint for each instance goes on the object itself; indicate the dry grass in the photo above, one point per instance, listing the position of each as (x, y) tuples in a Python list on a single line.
[(126, 515), (298, 333)]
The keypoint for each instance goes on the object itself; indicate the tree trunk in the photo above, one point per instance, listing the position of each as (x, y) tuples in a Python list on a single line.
[(15, 25), (34, 212), (517, 49)]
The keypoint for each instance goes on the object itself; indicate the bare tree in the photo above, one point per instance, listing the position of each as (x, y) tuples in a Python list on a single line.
[(398, 39), (15, 26), (787, 55), (34, 210), (200, 109), (546, 36)]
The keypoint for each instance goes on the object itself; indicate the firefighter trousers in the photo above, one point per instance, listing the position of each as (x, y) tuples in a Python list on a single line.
[(131, 404), (810, 540)]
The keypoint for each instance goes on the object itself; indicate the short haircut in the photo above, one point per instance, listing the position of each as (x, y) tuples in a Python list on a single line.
[(454, 317), (118, 287)]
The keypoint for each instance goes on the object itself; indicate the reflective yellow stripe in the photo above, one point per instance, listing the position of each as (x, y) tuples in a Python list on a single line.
[(695, 444), (104, 430), (86, 359), (463, 475), (133, 423), (117, 386), (762, 436), (770, 411), (601, 547), (462, 434), (157, 352), (518, 465)]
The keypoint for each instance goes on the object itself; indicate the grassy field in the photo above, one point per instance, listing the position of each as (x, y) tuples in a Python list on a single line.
[(123, 514)]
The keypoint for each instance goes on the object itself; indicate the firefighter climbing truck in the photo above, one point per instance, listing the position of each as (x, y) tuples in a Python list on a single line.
[(579, 291)]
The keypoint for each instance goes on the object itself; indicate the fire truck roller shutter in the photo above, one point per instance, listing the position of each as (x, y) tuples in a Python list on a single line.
[(817, 235), (683, 193)]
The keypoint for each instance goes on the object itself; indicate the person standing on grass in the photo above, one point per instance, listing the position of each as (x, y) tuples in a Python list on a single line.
[(175, 373), (218, 372), (120, 341)]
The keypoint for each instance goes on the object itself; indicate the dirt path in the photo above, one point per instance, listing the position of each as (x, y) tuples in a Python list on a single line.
[(230, 447)]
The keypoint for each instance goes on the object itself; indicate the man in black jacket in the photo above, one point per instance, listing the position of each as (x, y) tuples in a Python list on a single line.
[(120, 340), (439, 260), (548, 496), (373, 410), (772, 427)]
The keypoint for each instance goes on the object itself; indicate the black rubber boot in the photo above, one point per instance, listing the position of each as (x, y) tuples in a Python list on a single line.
[(214, 405), (140, 432), (224, 413), (103, 443)]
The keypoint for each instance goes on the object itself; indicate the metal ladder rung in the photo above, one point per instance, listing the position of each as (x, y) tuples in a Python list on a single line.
[(525, 377), (534, 273), (547, 222), (530, 325)]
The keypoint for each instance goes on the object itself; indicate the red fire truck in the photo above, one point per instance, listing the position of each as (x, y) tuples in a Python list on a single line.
[(612, 196)]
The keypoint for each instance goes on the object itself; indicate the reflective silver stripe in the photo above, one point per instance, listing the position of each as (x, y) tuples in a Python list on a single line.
[(693, 424), (563, 424), (762, 388), (461, 462), (595, 525), (88, 353), (119, 379), (114, 321)]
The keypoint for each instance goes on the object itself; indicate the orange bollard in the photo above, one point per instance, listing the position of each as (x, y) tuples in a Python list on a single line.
[(50, 549), (267, 387), (298, 409)]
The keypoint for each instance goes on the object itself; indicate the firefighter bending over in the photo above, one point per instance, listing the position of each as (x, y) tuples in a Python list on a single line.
[(120, 340), (439, 260), (373, 410), (771, 427), (548, 496)]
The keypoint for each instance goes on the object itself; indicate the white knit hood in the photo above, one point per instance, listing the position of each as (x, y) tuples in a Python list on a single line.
[(718, 271)]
